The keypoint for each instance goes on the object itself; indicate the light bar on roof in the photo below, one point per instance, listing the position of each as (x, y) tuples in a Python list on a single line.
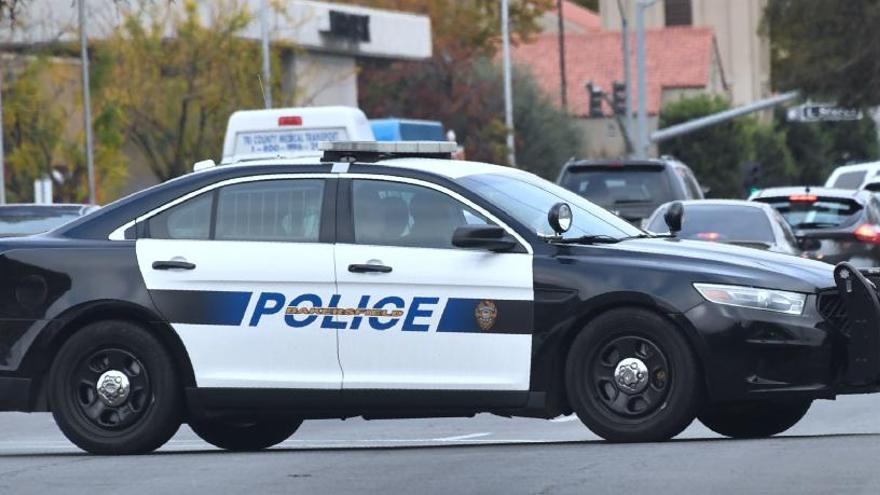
[(390, 147)]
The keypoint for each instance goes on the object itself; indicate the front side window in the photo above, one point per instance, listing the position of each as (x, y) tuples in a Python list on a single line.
[(398, 214), (285, 210)]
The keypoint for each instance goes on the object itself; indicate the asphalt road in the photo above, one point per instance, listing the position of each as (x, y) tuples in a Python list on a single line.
[(835, 449)]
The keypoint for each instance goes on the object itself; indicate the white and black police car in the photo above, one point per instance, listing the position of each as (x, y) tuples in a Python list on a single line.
[(384, 280)]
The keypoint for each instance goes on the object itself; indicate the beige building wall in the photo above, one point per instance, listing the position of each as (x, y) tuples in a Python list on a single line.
[(745, 54)]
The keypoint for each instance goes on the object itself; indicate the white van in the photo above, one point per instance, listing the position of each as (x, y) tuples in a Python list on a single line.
[(854, 176), (291, 132)]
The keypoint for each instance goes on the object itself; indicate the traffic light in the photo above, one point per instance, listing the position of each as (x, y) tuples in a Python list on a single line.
[(618, 97), (596, 95), (752, 177)]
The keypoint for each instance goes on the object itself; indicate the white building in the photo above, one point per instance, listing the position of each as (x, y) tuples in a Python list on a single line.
[(329, 37)]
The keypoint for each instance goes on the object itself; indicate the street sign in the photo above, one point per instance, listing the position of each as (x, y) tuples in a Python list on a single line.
[(821, 112)]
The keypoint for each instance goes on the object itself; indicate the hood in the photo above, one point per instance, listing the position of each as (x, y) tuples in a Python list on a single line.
[(725, 263)]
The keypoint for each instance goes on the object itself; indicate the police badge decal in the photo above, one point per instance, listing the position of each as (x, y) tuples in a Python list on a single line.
[(486, 314)]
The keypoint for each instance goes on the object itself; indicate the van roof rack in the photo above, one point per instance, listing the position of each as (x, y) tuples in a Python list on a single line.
[(374, 151)]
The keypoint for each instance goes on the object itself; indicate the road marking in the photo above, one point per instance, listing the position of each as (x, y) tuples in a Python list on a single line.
[(565, 419), (461, 437)]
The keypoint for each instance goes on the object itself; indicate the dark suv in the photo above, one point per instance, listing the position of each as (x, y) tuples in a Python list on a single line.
[(632, 189)]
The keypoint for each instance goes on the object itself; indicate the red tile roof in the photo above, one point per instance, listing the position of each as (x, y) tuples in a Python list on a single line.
[(584, 18), (676, 57)]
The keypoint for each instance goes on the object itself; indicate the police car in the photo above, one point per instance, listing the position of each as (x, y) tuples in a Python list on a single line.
[(384, 280)]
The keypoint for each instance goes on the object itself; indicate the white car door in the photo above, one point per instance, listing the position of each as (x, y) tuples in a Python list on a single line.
[(429, 316), (222, 266)]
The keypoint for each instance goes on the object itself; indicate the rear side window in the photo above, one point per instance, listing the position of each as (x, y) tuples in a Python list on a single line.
[(272, 210), (616, 186), (850, 180), (690, 183), (721, 223), (285, 210), (188, 220), (816, 214)]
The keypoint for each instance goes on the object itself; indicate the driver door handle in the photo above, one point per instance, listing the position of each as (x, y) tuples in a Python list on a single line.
[(368, 268), (173, 265)]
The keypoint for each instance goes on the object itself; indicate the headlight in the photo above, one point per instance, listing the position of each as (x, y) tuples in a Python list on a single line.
[(781, 301)]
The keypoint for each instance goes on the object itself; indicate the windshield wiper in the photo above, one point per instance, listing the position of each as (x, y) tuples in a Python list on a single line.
[(814, 225), (588, 239)]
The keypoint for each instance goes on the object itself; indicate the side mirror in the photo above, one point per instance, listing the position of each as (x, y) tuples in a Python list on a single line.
[(489, 237), (560, 218), (673, 217), (705, 190)]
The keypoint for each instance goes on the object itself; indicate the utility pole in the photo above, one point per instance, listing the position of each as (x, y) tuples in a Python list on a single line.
[(2, 163), (627, 79), (508, 83), (267, 60), (562, 82), (642, 142), (87, 100)]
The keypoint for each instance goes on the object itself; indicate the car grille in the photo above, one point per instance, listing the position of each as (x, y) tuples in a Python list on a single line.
[(833, 309)]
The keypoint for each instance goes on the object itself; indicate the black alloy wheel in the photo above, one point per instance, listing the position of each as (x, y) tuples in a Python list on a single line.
[(113, 389), (631, 376)]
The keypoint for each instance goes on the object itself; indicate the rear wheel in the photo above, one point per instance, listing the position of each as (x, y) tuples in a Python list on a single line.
[(113, 389), (753, 419), (631, 377), (244, 435)]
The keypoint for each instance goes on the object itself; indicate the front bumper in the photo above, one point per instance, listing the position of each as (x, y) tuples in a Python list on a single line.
[(832, 348), (859, 326)]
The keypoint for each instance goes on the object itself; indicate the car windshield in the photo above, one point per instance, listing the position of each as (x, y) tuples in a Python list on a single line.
[(615, 186), (17, 222), (720, 223), (821, 213), (528, 199)]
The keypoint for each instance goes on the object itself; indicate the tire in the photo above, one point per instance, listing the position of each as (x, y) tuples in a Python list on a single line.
[(754, 419), (114, 352), (244, 436), (648, 402)]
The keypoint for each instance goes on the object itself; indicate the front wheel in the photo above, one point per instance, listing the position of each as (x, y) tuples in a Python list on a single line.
[(753, 419), (244, 435), (632, 377)]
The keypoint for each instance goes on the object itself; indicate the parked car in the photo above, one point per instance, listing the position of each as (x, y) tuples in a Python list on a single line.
[(853, 176), (832, 225), (731, 221), (28, 219), (632, 189)]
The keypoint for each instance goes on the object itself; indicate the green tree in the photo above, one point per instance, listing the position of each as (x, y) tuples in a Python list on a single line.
[(39, 138), (769, 150), (176, 92), (817, 147), (717, 153), (589, 4), (829, 50), (546, 137), (468, 98)]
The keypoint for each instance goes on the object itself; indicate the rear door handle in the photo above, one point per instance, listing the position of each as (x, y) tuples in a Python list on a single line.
[(173, 265), (369, 268)]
